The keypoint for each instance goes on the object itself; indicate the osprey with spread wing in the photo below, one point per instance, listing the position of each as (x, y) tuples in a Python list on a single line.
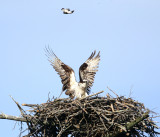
[(87, 73)]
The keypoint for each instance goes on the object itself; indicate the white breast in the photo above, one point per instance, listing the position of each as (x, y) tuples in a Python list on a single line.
[(78, 88)]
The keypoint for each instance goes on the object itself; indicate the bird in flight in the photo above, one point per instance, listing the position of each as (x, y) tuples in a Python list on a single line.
[(67, 11), (87, 73)]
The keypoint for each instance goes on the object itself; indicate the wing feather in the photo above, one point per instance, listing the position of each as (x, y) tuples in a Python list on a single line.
[(89, 68), (62, 69)]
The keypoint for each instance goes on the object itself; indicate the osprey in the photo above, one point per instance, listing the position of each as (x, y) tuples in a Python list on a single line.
[(67, 11), (87, 73)]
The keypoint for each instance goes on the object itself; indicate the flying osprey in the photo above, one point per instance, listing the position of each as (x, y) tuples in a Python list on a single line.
[(87, 73), (67, 11)]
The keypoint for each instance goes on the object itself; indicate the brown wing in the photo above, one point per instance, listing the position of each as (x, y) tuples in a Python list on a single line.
[(63, 70), (88, 69)]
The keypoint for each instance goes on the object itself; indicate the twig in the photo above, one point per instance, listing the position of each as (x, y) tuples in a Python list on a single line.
[(63, 129), (155, 116), (133, 123), (112, 107), (30, 105), (21, 110), (113, 92), (80, 105), (92, 95), (9, 117)]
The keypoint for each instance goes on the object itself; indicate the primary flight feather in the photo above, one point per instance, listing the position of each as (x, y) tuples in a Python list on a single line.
[(87, 73)]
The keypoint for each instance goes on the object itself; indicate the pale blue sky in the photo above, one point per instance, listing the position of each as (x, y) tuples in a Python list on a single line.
[(127, 32)]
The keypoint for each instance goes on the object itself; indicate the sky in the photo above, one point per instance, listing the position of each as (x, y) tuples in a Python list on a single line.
[(126, 32)]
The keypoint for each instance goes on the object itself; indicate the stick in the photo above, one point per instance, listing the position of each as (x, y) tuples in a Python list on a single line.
[(92, 95), (113, 92), (21, 110), (9, 117), (131, 124), (30, 105)]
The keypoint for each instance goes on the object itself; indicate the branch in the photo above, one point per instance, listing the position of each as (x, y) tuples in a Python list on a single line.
[(131, 124), (30, 105), (9, 117), (21, 110), (113, 92), (92, 95)]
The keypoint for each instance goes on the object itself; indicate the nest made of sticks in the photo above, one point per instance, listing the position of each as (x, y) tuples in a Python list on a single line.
[(90, 117)]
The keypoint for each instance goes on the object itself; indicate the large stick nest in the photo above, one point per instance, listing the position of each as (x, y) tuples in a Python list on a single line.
[(90, 117)]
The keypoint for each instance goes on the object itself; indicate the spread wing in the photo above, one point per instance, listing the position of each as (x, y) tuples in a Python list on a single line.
[(65, 72), (88, 69)]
